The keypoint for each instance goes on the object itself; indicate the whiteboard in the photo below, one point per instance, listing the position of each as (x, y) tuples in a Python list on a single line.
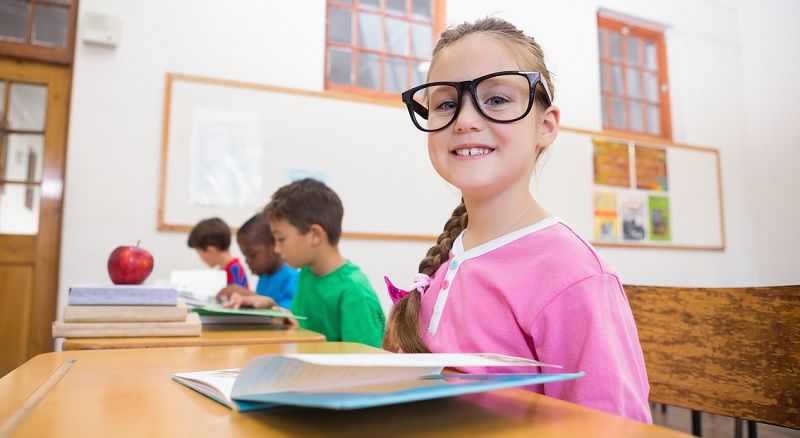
[(369, 153), (372, 156)]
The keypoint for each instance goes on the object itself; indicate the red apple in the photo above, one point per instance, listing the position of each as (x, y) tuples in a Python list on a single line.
[(129, 265)]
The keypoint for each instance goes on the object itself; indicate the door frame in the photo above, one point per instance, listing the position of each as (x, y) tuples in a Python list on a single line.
[(46, 245)]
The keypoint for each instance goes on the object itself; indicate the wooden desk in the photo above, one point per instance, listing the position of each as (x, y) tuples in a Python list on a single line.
[(212, 335), (130, 393)]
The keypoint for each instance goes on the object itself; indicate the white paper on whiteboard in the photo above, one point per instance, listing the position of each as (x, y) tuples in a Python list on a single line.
[(225, 158)]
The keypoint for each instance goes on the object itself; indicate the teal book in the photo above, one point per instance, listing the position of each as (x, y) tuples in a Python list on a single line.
[(355, 381)]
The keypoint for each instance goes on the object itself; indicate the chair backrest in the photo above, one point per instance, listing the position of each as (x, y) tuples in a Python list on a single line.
[(726, 351)]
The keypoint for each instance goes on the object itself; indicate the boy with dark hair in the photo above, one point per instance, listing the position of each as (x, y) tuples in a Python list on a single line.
[(333, 293), (211, 238), (276, 279)]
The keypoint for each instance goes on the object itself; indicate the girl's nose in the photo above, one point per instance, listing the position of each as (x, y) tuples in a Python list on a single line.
[(469, 118)]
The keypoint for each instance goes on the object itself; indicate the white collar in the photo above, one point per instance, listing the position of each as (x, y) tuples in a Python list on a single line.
[(458, 244)]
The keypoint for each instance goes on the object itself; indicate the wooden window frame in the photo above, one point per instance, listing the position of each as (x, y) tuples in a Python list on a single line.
[(437, 23), (41, 52), (631, 29)]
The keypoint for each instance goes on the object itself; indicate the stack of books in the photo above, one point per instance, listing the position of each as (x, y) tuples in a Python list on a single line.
[(109, 311)]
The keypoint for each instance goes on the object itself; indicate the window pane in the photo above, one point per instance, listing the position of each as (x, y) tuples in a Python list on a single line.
[(604, 111), (651, 87), (396, 6), (635, 114), (420, 73), (369, 4), (617, 113), (421, 40), (634, 82), (24, 154), (653, 120), (369, 31), (14, 19), (601, 46), (422, 9), (650, 60), (340, 26), (369, 70), (51, 25), (341, 65), (396, 75), (616, 79), (19, 209), (27, 106), (397, 36), (603, 76), (633, 50), (615, 42)]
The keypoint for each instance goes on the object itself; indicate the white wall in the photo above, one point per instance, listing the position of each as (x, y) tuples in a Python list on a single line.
[(772, 147), (716, 55)]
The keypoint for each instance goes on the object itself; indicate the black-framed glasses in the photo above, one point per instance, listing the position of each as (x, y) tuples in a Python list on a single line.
[(502, 97)]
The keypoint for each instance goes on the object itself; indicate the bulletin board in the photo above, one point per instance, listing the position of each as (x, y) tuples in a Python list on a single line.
[(228, 145), (634, 191)]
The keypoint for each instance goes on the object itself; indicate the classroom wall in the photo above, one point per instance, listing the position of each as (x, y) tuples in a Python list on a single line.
[(716, 55), (772, 147)]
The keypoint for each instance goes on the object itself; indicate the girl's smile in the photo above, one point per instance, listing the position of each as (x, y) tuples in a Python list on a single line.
[(471, 151)]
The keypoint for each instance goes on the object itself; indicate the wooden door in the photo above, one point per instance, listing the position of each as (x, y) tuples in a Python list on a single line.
[(34, 103)]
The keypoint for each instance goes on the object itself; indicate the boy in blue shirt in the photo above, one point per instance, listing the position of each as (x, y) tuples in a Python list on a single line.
[(277, 281)]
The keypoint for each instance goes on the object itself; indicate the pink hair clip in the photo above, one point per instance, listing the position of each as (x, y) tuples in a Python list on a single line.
[(421, 283)]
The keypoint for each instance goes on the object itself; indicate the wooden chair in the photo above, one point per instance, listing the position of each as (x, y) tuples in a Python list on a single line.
[(726, 351)]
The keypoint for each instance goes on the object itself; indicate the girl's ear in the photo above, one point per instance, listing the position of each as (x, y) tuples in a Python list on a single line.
[(317, 234), (548, 127)]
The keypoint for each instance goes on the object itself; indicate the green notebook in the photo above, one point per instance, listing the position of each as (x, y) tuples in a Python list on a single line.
[(222, 311)]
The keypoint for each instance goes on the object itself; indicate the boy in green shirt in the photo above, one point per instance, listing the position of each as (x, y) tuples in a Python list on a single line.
[(332, 292)]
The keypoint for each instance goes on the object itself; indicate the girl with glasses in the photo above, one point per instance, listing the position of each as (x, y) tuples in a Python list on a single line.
[(505, 276)]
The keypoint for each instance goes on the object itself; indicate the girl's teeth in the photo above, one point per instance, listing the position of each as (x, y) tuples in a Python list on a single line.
[(472, 151)]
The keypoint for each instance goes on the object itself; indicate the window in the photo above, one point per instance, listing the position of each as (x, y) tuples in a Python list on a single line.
[(37, 29), (379, 47), (633, 78)]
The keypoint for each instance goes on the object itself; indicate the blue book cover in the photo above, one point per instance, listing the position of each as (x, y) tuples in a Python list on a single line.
[(355, 381)]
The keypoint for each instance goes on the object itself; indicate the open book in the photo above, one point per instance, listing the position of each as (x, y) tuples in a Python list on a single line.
[(216, 314), (353, 381)]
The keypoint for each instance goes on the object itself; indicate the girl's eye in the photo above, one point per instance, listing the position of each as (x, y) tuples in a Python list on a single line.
[(446, 106), (496, 101)]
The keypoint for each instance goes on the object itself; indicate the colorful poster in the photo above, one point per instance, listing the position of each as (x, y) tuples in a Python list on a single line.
[(659, 218), (606, 222), (651, 168), (632, 208), (611, 164)]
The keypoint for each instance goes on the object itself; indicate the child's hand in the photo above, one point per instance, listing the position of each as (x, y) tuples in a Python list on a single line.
[(290, 322), (256, 301), (226, 292)]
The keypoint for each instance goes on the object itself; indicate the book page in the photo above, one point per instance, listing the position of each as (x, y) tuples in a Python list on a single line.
[(270, 374), (315, 372), (418, 360), (216, 384)]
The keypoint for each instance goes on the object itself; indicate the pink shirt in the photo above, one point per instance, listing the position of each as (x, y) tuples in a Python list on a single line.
[(542, 292)]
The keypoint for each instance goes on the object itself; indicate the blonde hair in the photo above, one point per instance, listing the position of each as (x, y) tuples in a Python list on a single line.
[(402, 328)]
